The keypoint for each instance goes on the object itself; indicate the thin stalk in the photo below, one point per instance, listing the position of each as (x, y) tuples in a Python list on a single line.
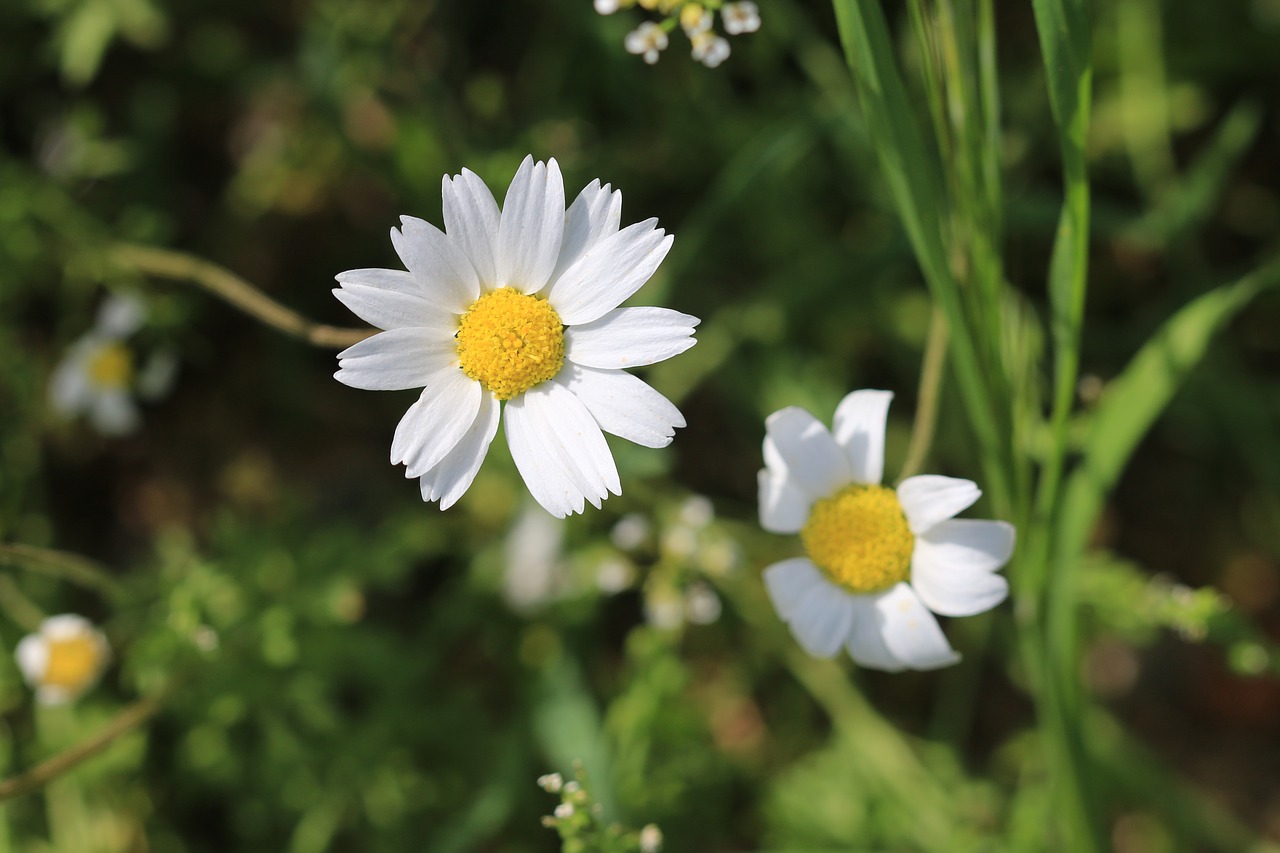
[(61, 564), (931, 373), (179, 266)]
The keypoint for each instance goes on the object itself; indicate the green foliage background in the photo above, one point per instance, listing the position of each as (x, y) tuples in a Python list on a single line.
[(350, 670)]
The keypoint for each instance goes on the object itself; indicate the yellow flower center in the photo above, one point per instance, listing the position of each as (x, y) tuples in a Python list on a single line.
[(111, 366), (509, 342), (860, 538), (73, 662)]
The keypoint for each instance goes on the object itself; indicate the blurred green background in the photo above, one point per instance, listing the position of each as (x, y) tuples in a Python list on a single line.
[(358, 671)]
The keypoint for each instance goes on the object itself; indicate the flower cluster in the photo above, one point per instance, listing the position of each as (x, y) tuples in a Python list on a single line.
[(579, 820), (696, 19)]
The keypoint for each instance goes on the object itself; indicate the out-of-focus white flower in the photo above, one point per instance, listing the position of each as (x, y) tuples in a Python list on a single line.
[(631, 531), (701, 604), (98, 376), (647, 40), (664, 608), (535, 571), (710, 49), (695, 19), (680, 542), (650, 839), (614, 575), (564, 810), (697, 512), (513, 315), (607, 7), (63, 659), (740, 18), (551, 783), (879, 559)]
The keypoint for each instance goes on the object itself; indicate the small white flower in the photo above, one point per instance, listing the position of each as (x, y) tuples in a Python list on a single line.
[(710, 49), (564, 811), (697, 512), (551, 783), (694, 19), (64, 659), (613, 576), (647, 40), (607, 7), (650, 839), (878, 560), (98, 378), (518, 305), (631, 532), (740, 18), (701, 604)]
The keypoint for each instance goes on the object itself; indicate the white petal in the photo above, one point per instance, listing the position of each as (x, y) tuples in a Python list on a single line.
[(70, 390), (121, 315), (445, 275), (630, 337), (911, 632), (434, 425), (930, 499), (952, 566), (573, 438), (471, 220), (784, 507), (450, 479), (396, 359), (623, 405), (789, 581), (548, 484), (113, 413), (798, 446), (66, 626), (531, 227), (866, 643), (32, 656), (859, 430), (823, 620), (608, 272), (594, 215), (391, 309), (396, 281)]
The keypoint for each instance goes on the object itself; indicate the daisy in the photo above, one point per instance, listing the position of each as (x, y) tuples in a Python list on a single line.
[(98, 377), (518, 306), (63, 659), (878, 559)]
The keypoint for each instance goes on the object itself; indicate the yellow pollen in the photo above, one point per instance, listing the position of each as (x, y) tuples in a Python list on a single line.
[(111, 366), (72, 663), (509, 342), (860, 538)]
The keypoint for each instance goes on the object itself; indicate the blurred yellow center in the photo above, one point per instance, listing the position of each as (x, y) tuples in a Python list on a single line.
[(510, 342), (111, 366), (73, 662), (860, 538)]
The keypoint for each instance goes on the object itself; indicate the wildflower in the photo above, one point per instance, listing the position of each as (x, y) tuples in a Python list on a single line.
[(607, 7), (701, 604), (709, 49), (518, 306), (63, 659), (647, 40), (740, 18), (695, 19), (650, 839), (879, 560), (551, 782), (98, 376), (564, 811)]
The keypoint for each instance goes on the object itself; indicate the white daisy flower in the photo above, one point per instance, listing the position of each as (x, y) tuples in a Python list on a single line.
[(518, 305), (740, 18), (97, 376), (647, 40), (879, 560), (64, 659), (710, 49)]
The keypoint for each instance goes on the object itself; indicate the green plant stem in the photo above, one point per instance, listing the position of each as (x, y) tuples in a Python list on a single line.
[(931, 373), (179, 266), (61, 564), (42, 774), (22, 610)]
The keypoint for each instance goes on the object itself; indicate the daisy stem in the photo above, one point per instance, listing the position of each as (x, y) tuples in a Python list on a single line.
[(931, 373), (60, 564), (179, 266), (42, 774)]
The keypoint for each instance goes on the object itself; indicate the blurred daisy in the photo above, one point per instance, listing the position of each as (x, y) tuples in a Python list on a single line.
[(647, 40), (518, 305), (740, 18), (879, 560), (64, 659), (709, 49), (98, 376)]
